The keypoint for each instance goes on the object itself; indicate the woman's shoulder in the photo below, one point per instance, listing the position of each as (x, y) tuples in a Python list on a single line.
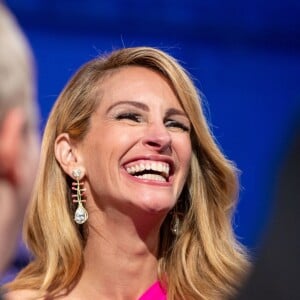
[(22, 295)]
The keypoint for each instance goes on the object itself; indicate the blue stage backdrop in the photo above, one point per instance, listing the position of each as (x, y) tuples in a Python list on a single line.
[(243, 55)]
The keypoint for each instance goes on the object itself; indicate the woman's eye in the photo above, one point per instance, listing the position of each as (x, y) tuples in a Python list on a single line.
[(177, 124), (129, 116)]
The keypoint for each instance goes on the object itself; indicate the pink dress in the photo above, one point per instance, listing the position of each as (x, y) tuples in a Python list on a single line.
[(155, 292)]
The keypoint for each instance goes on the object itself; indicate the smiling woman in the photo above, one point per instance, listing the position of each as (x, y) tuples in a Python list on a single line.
[(134, 199)]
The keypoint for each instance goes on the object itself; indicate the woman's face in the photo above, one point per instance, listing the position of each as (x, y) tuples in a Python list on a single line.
[(138, 149)]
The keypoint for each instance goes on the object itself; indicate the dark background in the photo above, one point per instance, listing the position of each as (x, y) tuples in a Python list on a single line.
[(243, 55)]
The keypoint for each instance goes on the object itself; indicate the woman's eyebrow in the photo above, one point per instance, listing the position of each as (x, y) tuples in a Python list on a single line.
[(136, 104), (175, 111)]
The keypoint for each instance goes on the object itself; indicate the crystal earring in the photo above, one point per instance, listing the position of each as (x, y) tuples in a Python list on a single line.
[(175, 224), (81, 214)]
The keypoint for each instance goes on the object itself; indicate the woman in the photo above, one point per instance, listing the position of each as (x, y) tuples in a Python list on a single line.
[(152, 194)]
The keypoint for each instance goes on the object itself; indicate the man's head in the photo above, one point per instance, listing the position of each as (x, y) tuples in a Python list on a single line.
[(19, 144)]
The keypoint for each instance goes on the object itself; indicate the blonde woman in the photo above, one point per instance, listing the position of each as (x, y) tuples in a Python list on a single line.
[(134, 198)]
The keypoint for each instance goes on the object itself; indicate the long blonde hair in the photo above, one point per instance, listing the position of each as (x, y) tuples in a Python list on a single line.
[(204, 261)]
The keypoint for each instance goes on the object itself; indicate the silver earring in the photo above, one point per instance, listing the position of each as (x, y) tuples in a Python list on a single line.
[(81, 214), (175, 224)]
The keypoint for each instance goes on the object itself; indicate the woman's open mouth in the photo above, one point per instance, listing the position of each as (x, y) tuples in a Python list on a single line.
[(149, 170)]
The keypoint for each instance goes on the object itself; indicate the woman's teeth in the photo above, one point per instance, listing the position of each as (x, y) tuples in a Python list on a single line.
[(152, 177), (161, 170)]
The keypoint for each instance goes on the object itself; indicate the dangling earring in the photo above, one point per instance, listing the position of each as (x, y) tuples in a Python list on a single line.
[(175, 224), (81, 214)]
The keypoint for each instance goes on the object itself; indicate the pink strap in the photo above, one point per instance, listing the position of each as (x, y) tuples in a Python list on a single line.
[(155, 292)]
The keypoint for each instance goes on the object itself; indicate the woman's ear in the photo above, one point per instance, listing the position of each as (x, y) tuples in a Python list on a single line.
[(66, 153)]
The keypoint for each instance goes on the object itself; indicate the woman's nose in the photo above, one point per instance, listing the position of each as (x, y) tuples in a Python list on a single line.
[(157, 137)]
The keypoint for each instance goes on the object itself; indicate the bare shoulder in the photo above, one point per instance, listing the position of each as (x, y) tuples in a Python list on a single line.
[(34, 295), (22, 295)]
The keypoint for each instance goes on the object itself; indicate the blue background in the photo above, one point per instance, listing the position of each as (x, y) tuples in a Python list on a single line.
[(243, 55)]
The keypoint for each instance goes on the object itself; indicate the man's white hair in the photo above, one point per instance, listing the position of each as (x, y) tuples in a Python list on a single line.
[(16, 71)]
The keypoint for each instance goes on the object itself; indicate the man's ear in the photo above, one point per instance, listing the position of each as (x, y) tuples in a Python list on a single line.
[(66, 153), (11, 144)]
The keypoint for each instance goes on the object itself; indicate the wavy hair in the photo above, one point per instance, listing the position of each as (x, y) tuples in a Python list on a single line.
[(205, 261)]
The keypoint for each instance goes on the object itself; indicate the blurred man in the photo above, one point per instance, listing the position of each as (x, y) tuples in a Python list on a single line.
[(19, 142), (277, 271)]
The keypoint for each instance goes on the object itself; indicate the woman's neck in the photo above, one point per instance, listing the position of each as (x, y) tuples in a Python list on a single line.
[(120, 262)]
